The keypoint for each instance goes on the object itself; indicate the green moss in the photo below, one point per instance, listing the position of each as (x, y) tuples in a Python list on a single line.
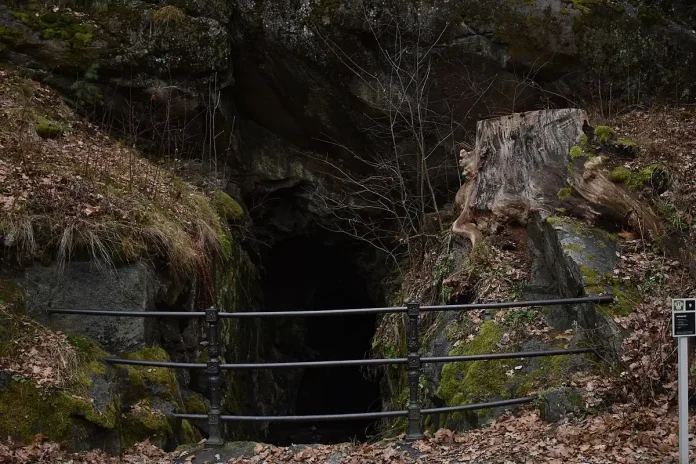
[(626, 299), (146, 381), (67, 416), (48, 129), (577, 152), (478, 381), (572, 247), (620, 175), (12, 295), (11, 37), (627, 143), (581, 5), (188, 434), (646, 176), (227, 207), (194, 404), (88, 348), (565, 193), (226, 244), (604, 134), (590, 276), (143, 422)]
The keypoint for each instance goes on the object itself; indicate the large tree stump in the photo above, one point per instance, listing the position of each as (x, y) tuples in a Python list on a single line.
[(521, 163)]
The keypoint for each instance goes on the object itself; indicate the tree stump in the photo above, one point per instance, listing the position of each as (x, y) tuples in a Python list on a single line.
[(521, 163)]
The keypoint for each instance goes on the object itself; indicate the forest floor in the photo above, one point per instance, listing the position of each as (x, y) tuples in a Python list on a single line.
[(627, 435)]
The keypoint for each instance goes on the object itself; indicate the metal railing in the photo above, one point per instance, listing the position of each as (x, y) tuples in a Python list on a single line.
[(413, 361)]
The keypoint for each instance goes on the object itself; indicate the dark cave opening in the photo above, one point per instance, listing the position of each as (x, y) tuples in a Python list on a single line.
[(316, 274)]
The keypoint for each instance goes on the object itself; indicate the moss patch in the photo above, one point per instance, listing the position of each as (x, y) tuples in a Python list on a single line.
[(67, 416), (144, 381), (620, 175), (626, 299), (226, 206), (143, 422), (194, 404), (10, 37), (12, 295), (604, 134), (478, 381), (48, 129), (565, 193)]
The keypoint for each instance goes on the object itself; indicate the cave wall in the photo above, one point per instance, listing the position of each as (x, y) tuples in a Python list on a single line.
[(169, 74)]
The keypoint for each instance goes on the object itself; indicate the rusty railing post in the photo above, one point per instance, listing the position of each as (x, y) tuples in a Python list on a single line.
[(414, 411), (213, 371)]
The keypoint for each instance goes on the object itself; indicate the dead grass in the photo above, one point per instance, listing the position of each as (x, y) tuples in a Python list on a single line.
[(83, 194)]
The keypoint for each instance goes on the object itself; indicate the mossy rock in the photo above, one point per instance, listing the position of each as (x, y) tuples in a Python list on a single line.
[(188, 434), (146, 382), (146, 422), (12, 295), (478, 381), (194, 404), (48, 129), (227, 207), (11, 37), (73, 417), (626, 300)]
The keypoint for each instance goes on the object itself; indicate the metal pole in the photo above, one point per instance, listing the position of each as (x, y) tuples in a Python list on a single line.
[(414, 411), (683, 400), (213, 370)]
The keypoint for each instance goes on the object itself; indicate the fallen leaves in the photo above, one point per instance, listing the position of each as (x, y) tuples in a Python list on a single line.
[(36, 352)]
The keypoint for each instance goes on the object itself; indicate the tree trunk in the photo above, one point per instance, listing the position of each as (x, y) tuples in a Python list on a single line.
[(521, 163)]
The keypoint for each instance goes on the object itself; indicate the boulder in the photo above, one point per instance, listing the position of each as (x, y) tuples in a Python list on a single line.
[(80, 285)]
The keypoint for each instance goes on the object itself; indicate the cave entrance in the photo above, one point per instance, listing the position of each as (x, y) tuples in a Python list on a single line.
[(318, 274)]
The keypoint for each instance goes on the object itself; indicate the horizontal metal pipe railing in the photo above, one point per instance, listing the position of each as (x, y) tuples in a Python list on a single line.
[(367, 415), (474, 407), (355, 362), (138, 362), (339, 312), (414, 361), (325, 312), (102, 312), (519, 304), (343, 363), (492, 356)]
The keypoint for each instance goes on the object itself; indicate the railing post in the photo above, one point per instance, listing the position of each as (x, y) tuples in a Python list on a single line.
[(213, 370), (414, 410)]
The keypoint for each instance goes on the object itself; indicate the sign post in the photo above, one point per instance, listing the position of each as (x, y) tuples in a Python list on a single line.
[(683, 326)]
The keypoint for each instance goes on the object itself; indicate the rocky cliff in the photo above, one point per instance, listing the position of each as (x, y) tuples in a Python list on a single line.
[(224, 146)]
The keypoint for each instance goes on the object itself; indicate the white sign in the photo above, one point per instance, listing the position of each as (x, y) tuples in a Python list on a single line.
[(683, 326), (684, 317)]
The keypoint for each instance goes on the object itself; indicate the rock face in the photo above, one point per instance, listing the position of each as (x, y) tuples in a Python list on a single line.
[(304, 71), (81, 286)]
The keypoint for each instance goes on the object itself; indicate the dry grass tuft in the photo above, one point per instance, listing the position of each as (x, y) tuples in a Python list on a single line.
[(83, 194)]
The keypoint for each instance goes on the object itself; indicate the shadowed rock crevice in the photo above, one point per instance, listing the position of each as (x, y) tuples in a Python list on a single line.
[(314, 273)]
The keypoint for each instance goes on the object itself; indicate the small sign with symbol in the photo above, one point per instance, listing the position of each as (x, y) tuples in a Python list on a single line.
[(684, 317)]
